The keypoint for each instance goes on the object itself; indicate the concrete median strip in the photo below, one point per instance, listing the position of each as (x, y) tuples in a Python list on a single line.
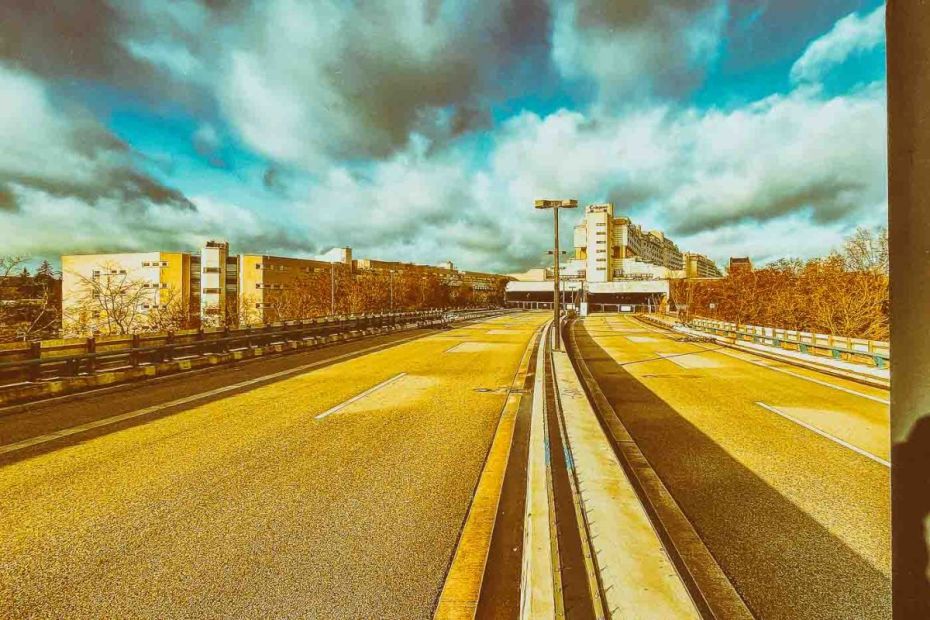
[(637, 577), (462, 587), (540, 573), (710, 590)]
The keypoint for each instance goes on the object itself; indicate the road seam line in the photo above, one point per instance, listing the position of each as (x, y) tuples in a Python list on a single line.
[(358, 397), (811, 379), (25, 443), (825, 434)]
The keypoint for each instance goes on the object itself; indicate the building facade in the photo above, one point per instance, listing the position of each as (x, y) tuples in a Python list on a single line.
[(614, 262), (125, 290), (213, 288), (609, 248), (699, 266)]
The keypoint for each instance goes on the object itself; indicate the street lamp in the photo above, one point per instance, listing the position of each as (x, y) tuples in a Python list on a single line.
[(332, 288), (391, 278), (555, 205)]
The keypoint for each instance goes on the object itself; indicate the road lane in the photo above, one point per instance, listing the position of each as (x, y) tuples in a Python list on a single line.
[(250, 506), (799, 522)]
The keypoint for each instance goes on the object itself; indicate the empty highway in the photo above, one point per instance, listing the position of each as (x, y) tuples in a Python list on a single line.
[(782, 471), (334, 490)]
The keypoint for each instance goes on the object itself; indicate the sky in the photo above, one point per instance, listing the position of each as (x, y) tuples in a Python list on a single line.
[(422, 130)]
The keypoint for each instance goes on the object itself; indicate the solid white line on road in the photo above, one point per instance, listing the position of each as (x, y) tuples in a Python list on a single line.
[(877, 399), (358, 397), (824, 434), (25, 443)]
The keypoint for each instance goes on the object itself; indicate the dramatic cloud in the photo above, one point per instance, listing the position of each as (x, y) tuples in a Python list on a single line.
[(422, 130), (67, 184), (631, 48), (69, 154), (315, 81), (854, 34)]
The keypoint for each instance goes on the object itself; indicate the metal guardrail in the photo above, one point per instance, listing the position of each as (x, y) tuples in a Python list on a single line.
[(69, 358), (837, 347)]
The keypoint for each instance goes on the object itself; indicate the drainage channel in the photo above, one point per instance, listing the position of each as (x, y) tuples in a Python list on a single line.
[(575, 570)]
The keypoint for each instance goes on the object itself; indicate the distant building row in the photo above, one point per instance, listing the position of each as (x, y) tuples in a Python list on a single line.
[(206, 287)]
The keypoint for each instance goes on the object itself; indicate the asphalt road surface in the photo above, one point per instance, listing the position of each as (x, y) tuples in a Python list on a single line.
[(783, 471), (338, 491)]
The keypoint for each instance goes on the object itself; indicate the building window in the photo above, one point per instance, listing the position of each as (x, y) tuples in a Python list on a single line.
[(211, 291), (211, 269)]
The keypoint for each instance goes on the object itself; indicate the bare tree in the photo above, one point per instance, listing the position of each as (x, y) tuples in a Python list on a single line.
[(867, 250), (9, 263), (170, 313), (111, 302)]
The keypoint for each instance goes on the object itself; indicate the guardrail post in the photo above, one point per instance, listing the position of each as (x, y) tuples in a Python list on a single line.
[(167, 351), (134, 350), (200, 341), (91, 350), (224, 342), (35, 354)]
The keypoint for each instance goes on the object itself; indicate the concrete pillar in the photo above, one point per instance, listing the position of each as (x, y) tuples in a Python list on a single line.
[(908, 45)]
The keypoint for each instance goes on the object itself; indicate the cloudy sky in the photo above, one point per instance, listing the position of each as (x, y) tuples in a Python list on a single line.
[(422, 130)]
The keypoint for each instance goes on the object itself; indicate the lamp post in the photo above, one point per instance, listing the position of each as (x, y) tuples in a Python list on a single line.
[(555, 205), (332, 288), (391, 280)]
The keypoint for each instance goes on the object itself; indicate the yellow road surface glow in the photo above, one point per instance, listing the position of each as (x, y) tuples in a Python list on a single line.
[(247, 506), (367, 392)]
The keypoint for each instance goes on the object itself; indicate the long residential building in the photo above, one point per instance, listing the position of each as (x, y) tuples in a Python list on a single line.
[(209, 288)]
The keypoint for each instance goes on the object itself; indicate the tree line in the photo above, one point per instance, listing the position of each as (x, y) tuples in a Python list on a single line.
[(844, 293), (30, 303)]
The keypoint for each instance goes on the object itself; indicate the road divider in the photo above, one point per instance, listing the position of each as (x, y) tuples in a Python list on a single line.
[(625, 550)]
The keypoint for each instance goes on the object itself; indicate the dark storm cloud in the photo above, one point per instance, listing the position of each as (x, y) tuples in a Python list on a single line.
[(359, 88), (131, 188), (62, 38), (633, 49), (7, 199), (762, 32), (635, 15), (828, 199)]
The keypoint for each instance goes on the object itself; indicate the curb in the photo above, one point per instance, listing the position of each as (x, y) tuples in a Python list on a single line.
[(711, 591)]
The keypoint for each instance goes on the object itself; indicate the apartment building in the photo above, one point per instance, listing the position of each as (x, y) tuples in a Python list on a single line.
[(128, 288), (699, 266), (739, 263), (264, 281), (609, 248), (212, 288)]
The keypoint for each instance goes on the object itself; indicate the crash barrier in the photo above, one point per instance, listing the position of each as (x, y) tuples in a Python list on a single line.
[(50, 359), (861, 350)]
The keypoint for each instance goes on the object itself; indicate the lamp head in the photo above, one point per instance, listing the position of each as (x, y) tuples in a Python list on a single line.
[(562, 204)]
